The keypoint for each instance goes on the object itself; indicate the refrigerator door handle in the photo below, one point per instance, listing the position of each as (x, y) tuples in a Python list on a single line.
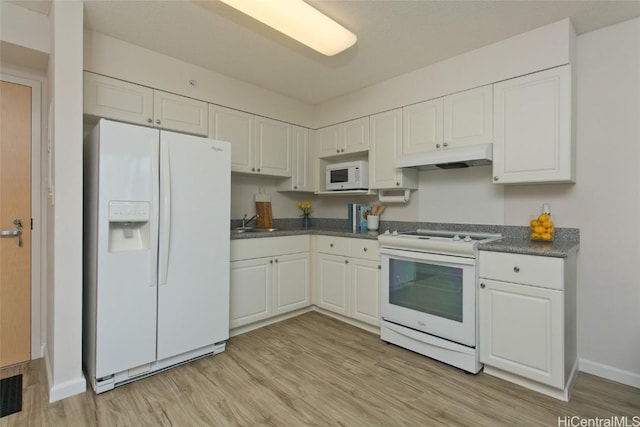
[(153, 273), (165, 225)]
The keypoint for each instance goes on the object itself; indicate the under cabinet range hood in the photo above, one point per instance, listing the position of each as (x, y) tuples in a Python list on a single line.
[(450, 158)]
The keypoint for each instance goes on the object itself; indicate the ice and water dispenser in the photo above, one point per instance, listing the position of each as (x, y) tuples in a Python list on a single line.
[(129, 225)]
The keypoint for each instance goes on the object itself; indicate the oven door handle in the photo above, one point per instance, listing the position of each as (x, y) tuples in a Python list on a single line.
[(426, 256)]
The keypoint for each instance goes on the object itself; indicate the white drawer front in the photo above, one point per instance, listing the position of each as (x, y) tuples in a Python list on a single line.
[(268, 246), (365, 249), (333, 245), (544, 272)]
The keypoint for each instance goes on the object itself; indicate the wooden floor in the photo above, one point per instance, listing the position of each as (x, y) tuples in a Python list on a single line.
[(314, 370)]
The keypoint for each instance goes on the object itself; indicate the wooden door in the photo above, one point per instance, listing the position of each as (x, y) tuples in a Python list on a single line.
[(15, 204)]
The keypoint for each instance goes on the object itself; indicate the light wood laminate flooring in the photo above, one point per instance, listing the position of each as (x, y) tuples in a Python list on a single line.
[(314, 370)]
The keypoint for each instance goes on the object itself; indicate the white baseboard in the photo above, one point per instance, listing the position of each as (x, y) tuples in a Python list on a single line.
[(609, 372), (66, 389)]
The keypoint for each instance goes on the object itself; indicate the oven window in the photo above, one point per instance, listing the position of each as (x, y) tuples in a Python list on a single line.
[(429, 288), (340, 175)]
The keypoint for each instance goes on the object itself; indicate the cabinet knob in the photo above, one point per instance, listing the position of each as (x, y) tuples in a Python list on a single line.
[(330, 245), (379, 267), (495, 178), (437, 145), (364, 249), (445, 145), (482, 285), (516, 269), (338, 150), (149, 120), (295, 187), (342, 150), (270, 261), (397, 184), (346, 261), (253, 169), (158, 121), (276, 260), (258, 169)]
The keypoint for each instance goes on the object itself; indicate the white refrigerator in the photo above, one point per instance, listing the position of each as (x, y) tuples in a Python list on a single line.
[(156, 249)]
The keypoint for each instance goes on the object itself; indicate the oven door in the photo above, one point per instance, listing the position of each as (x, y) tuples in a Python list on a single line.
[(431, 293)]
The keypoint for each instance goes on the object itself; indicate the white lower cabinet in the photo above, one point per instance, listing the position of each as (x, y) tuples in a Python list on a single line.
[(528, 320), (269, 277), (348, 277)]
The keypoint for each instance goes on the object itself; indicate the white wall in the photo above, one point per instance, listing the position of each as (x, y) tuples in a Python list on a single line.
[(605, 201), (64, 211), (115, 58)]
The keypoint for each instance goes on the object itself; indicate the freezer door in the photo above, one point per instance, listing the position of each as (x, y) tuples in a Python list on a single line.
[(193, 295), (125, 290)]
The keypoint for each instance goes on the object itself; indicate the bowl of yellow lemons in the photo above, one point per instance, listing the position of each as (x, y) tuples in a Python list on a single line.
[(542, 228)]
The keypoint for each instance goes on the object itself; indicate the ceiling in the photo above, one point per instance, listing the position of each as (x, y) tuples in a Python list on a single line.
[(394, 36)]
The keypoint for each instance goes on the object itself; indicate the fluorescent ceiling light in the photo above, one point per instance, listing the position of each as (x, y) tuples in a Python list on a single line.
[(300, 21)]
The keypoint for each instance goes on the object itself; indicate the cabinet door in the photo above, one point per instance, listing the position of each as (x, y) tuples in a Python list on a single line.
[(329, 140), (356, 135), (421, 128), (468, 117), (291, 282), (521, 330), (236, 127), (179, 113), (365, 295), (301, 173), (251, 290), (118, 100), (533, 128), (273, 147), (332, 282), (386, 135)]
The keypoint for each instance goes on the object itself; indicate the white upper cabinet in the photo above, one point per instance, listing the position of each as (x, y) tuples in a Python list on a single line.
[(180, 113), (258, 145), (302, 176), (344, 138), (385, 135), (533, 128), (422, 128), (123, 101), (236, 127), (273, 147), (464, 118), (468, 117)]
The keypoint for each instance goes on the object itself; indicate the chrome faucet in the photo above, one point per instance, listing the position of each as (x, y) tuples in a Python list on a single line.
[(246, 221)]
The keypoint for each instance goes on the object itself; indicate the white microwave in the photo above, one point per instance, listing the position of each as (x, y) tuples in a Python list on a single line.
[(348, 176)]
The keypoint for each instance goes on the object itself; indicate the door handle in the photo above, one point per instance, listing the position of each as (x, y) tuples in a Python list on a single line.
[(16, 232)]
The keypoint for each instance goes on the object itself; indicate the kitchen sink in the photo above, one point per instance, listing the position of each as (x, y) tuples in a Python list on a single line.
[(253, 230)]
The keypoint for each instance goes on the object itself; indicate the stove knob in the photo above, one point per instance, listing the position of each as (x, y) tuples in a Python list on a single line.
[(456, 238), (386, 233), (467, 238), (395, 233)]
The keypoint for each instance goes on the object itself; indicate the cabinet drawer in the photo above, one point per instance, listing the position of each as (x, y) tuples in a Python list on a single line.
[(333, 245), (544, 272), (268, 246), (366, 249)]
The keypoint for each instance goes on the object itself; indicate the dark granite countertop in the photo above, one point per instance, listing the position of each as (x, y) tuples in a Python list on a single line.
[(557, 248), (516, 238), (326, 231)]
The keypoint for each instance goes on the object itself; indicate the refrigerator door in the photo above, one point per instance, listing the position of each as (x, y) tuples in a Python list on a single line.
[(127, 246), (195, 191)]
